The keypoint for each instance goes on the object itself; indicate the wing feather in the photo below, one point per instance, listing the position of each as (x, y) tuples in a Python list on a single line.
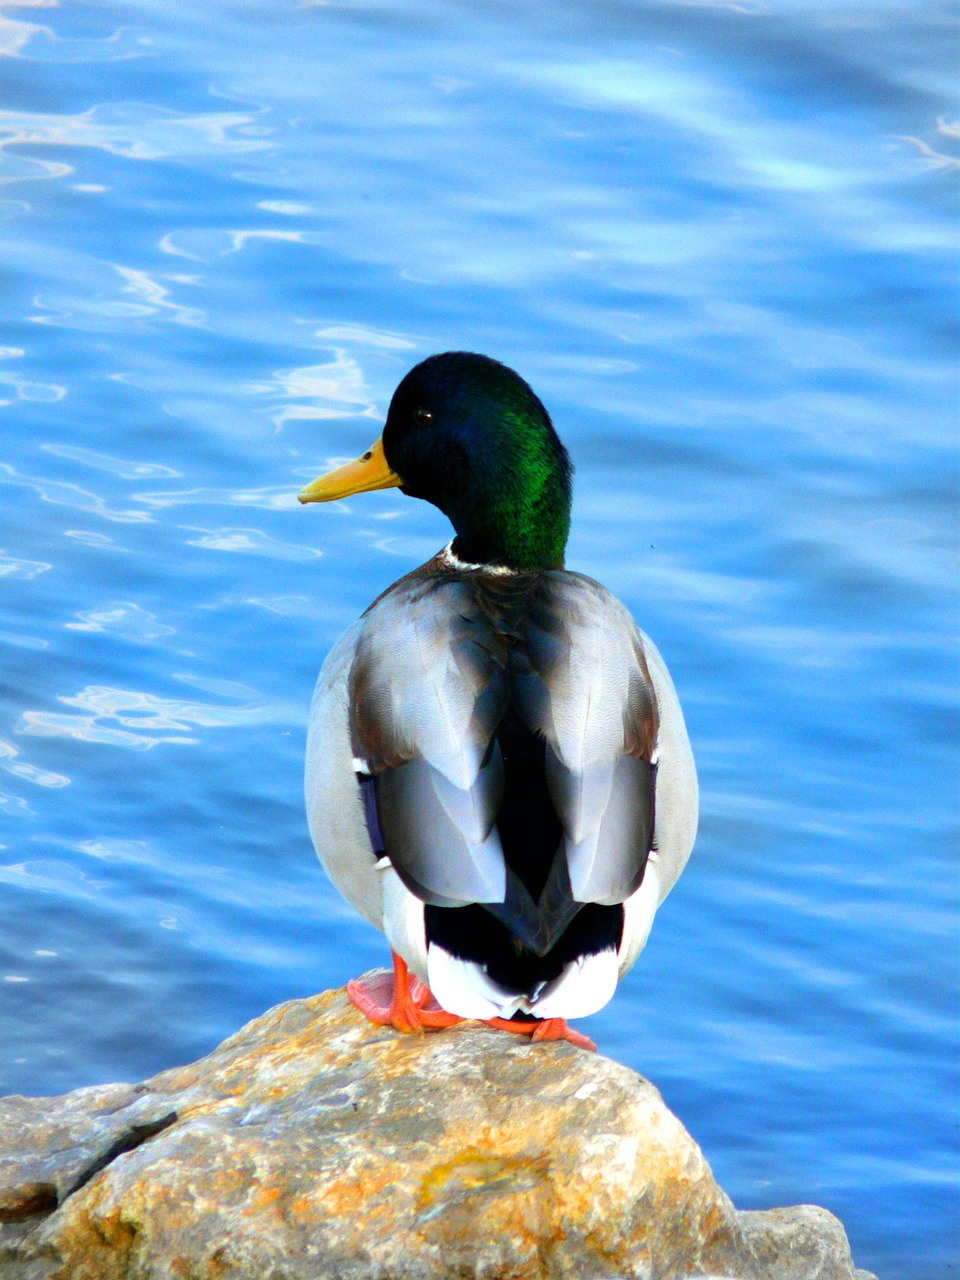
[(428, 690), (589, 692), (428, 846)]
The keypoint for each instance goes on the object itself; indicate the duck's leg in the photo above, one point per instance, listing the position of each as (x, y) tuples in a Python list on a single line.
[(543, 1029), (402, 1001)]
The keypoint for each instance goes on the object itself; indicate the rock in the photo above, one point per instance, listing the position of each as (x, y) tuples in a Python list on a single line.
[(795, 1243), (313, 1145)]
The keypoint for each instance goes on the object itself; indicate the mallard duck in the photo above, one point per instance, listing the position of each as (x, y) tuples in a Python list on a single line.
[(498, 772)]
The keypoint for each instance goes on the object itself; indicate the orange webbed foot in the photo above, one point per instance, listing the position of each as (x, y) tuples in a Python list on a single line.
[(400, 1000), (543, 1029)]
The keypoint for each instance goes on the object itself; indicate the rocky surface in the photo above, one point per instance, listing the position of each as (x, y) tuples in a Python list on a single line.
[(312, 1144)]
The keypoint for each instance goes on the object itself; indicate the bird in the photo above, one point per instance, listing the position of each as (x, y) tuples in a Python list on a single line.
[(498, 772)]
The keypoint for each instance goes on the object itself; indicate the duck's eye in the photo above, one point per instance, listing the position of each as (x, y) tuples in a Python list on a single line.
[(423, 417)]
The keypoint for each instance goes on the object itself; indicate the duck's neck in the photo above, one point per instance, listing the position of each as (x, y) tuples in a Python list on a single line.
[(519, 522), (519, 550)]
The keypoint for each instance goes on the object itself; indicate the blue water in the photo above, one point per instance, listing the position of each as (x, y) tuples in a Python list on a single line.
[(719, 240)]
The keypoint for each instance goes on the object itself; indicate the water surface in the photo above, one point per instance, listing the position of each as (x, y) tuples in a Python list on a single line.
[(719, 241)]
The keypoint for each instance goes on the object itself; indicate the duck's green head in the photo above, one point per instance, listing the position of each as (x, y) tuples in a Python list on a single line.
[(469, 435)]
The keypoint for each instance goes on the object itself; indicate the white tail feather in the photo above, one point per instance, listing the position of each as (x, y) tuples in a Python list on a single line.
[(462, 986), (583, 987)]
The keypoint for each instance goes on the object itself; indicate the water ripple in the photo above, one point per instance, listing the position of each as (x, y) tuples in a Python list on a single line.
[(331, 390), (252, 542), (63, 494), (36, 43), (40, 392), (15, 807), (14, 567), (132, 131), (270, 498), (12, 764), (124, 468), (15, 34), (125, 619), (146, 719)]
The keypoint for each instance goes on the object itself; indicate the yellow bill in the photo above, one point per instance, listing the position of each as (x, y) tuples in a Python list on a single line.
[(371, 471)]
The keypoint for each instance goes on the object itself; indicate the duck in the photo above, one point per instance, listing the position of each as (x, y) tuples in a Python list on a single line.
[(498, 772)]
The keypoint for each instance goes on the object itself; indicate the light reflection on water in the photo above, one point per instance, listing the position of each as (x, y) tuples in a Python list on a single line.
[(714, 238)]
